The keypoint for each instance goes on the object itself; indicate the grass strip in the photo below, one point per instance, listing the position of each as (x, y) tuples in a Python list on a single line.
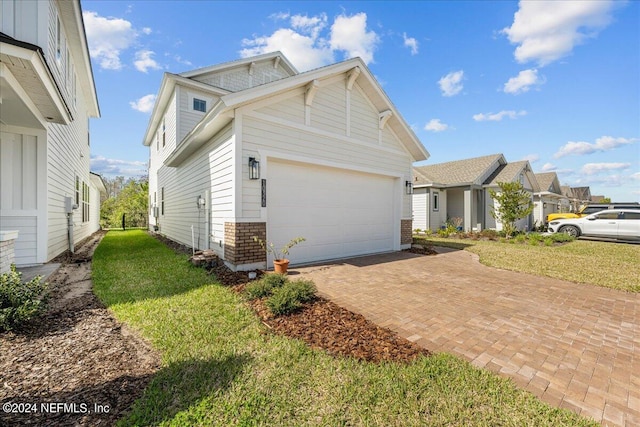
[(605, 264), (221, 368)]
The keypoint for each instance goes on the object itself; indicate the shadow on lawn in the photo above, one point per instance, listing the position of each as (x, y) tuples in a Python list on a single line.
[(182, 385)]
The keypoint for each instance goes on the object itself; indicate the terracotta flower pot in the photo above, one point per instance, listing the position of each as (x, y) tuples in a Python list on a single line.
[(280, 265)]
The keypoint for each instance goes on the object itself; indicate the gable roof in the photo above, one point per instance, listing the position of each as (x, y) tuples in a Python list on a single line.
[(223, 111), (458, 172), (511, 173), (275, 56), (547, 181)]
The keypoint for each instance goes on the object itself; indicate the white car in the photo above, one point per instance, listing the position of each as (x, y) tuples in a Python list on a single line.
[(620, 224)]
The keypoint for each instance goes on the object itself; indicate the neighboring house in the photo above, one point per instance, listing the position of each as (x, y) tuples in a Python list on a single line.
[(254, 148), (47, 97), (576, 196), (460, 189), (454, 189), (549, 199), (511, 172)]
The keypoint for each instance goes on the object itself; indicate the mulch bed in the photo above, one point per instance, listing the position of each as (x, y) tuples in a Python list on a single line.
[(57, 368)]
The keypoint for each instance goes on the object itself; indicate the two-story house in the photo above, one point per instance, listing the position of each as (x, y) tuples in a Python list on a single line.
[(47, 96), (255, 148)]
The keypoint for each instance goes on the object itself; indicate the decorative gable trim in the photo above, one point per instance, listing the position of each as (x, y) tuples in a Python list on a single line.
[(384, 118), (252, 67), (352, 76), (312, 89)]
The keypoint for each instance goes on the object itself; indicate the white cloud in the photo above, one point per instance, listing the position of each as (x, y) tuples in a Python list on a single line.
[(147, 30), (547, 31), (411, 43), (304, 44), (451, 84), (523, 82), (311, 26), (435, 125), (144, 104), (303, 51), (604, 143), (549, 167), (496, 117), (144, 61), (116, 167), (596, 168), (531, 158), (349, 34), (636, 176), (107, 38)]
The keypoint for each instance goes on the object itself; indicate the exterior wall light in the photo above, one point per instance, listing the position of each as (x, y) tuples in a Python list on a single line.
[(408, 187), (254, 168)]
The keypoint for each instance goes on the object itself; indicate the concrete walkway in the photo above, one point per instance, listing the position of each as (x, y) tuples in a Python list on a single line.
[(574, 346)]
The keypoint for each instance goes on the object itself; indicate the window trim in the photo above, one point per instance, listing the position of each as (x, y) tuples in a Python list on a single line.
[(201, 102), (436, 201)]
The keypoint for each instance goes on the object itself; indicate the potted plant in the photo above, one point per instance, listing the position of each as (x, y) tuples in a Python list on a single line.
[(280, 261)]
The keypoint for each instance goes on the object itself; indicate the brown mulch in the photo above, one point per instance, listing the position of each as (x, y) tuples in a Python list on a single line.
[(56, 369), (325, 325)]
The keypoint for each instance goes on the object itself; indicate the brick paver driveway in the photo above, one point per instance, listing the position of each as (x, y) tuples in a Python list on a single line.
[(574, 346)]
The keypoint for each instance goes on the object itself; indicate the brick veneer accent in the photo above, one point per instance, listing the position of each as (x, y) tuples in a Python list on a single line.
[(406, 231), (7, 256), (239, 246)]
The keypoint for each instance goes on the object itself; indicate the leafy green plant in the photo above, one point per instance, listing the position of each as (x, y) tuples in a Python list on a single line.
[(269, 247), (513, 203), (283, 301), (19, 301), (305, 290), (265, 286), (289, 298), (562, 238)]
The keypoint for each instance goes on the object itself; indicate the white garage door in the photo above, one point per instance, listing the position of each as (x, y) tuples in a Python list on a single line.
[(341, 213)]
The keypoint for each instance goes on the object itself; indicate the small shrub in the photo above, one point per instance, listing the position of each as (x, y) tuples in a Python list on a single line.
[(265, 286), (289, 298), (305, 290), (535, 239), (19, 301), (283, 301), (548, 241), (562, 238), (520, 238)]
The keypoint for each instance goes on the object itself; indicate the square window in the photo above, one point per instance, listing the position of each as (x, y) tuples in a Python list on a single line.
[(199, 105)]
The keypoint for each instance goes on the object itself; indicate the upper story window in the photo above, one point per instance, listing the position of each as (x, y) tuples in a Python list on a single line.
[(199, 105), (164, 135)]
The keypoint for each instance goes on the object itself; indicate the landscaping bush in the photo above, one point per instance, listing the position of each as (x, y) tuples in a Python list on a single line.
[(265, 286), (289, 298), (19, 301), (562, 238), (305, 290), (284, 301)]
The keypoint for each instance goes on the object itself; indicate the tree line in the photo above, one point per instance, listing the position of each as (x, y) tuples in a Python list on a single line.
[(126, 202)]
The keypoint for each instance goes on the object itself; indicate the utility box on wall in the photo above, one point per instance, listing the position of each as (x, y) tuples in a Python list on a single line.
[(69, 206)]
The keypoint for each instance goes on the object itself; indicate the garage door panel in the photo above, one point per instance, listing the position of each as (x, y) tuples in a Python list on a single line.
[(341, 213)]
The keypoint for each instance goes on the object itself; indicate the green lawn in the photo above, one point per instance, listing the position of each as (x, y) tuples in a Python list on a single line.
[(221, 368), (610, 265)]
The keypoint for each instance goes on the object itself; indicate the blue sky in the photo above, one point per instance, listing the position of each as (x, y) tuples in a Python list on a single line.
[(557, 83)]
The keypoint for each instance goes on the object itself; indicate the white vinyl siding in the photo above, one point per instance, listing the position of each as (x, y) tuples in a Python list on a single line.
[(364, 119), (290, 109), (187, 117), (420, 209), (239, 78), (19, 192), (328, 111), (209, 171)]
